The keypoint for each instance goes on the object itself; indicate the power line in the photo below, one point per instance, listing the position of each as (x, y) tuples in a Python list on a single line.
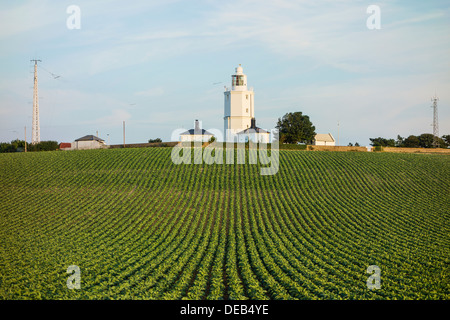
[(55, 76)]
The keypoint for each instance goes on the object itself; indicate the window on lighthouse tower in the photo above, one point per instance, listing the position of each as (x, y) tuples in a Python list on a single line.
[(237, 80)]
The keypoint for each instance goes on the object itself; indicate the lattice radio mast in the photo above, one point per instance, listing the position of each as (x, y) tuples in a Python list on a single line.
[(435, 122), (35, 134)]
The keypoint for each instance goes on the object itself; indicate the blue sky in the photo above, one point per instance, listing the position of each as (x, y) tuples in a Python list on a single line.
[(159, 65)]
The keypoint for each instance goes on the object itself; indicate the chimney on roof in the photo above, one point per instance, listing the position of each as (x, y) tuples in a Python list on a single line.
[(198, 127), (253, 123)]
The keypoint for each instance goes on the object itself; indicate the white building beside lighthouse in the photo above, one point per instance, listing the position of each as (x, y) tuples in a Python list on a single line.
[(238, 106)]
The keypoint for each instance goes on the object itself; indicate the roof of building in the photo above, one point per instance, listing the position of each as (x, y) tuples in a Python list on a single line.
[(255, 130), (65, 145), (197, 131), (90, 138), (327, 137)]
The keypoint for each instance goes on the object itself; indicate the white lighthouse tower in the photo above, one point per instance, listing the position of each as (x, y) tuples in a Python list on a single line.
[(238, 106)]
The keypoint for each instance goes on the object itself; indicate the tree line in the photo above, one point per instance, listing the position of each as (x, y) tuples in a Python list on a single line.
[(19, 146), (425, 140), (295, 127)]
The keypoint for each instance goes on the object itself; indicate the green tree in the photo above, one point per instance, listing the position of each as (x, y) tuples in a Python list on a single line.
[(400, 141), (411, 142), (13, 146), (44, 146), (446, 139), (6, 147), (295, 127), (382, 142), (154, 140), (426, 140)]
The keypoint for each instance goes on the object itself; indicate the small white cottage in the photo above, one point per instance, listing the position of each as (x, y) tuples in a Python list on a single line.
[(322, 139), (88, 142)]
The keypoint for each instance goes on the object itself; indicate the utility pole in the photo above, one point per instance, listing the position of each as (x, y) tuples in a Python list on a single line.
[(124, 134), (435, 122), (35, 134), (25, 138), (338, 133)]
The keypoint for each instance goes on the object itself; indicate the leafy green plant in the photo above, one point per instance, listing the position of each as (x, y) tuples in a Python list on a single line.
[(141, 227)]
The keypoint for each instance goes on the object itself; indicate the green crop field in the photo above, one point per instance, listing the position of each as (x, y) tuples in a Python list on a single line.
[(140, 227)]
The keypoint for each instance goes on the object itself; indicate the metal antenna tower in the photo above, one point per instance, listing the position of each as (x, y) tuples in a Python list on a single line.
[(435, 122), (35, 135)]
